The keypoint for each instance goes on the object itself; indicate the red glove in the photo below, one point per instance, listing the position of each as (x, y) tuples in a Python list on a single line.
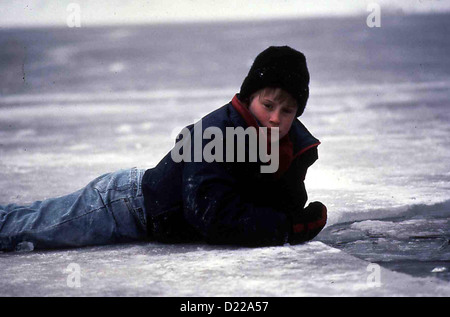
[(308, 223)]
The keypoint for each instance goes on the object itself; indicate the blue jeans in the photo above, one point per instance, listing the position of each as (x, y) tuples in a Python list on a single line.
[(110, 209)]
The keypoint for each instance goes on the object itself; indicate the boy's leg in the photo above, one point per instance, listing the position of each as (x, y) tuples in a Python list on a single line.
[(110, 209)]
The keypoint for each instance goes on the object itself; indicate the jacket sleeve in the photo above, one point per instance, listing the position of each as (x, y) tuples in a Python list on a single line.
[(221, 214), (291, 186)]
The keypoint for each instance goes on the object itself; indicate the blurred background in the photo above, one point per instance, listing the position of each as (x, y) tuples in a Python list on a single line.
[(88, 87), (104, 12)]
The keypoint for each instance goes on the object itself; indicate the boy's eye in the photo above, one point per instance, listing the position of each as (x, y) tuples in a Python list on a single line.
[(267, 105)]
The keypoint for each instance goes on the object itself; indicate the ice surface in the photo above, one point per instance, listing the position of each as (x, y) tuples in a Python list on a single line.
[(151, 269), (439, 269)]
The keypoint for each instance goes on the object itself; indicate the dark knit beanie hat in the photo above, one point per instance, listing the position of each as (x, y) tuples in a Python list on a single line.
[(279, 67)]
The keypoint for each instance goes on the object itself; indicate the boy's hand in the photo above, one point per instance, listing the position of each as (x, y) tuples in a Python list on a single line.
[(308, 223)]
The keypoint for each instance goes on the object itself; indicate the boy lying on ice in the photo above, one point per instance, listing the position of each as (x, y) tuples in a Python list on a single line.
[(249, 193)]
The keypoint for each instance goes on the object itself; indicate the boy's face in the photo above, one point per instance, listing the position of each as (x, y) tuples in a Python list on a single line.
[(272, 113)]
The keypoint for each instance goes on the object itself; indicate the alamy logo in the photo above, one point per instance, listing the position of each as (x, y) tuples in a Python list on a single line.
[(262, 144), (74, 18), (374, 276), (374, 18), (74, 275)]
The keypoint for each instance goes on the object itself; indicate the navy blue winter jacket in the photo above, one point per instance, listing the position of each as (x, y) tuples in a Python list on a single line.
[(227, 202)]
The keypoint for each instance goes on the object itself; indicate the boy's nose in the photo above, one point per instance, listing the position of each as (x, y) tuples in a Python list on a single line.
[(275, 118)]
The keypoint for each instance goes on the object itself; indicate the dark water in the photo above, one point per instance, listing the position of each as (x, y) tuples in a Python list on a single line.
[(416, 242)]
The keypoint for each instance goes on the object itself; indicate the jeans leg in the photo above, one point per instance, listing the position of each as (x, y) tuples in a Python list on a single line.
[(110, 209)]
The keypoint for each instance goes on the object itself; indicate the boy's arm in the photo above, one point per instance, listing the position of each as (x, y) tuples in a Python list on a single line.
[(222, 214), (215, 207), (291, 186), (306, 222)]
